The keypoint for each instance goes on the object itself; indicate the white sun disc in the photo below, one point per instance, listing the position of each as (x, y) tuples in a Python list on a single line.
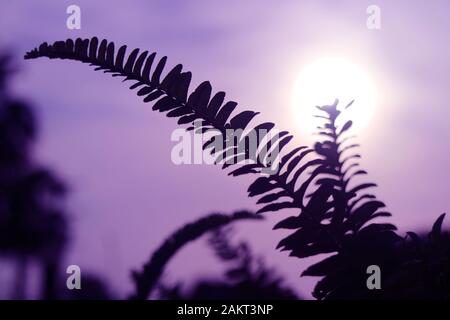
[(327, 79)]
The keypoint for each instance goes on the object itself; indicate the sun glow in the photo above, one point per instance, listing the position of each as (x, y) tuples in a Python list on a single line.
[(327, 79)]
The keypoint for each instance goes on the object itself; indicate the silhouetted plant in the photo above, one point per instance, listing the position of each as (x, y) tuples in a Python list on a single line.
[(146, 279), (32, 224), (423, 266), (342, 206), (335, 213), (246, 277)]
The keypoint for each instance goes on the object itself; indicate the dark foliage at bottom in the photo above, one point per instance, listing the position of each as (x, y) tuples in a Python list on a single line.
[(246, 277)]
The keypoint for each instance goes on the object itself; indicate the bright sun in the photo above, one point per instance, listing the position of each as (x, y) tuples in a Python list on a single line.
[(327, 79)]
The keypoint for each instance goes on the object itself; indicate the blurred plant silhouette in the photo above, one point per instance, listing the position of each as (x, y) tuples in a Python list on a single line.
[(335, 213), (247, 277), (153, 269), (32, 223)]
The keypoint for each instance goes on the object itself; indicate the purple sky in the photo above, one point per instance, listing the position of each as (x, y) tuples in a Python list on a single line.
[(115, 152)]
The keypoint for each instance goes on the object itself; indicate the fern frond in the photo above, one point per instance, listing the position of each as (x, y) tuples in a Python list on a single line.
[(345, 209), (170, 94)]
